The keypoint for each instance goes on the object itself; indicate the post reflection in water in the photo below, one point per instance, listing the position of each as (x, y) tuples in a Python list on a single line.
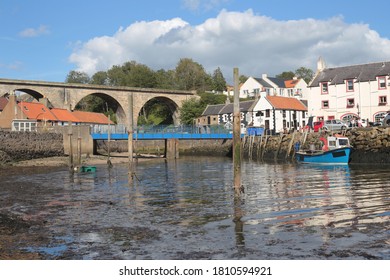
[(187, 209)]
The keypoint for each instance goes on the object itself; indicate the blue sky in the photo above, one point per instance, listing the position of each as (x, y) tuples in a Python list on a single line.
[(45, 39)]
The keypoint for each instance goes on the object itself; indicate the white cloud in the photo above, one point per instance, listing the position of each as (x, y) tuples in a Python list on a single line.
[(35, 32), (255, 44)]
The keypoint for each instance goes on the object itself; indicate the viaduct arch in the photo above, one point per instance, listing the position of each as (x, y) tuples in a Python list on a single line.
[(67, 96)]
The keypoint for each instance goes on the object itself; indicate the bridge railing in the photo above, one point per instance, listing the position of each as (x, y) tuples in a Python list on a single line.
[(143, 129)]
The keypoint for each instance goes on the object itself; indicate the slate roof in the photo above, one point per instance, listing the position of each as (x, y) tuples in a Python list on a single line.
[(286, 103), (245, 106), (277, 81), (212, 109), (263, 83), (362, 72)]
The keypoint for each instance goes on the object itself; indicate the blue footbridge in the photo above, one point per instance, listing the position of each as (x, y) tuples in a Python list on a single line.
[(180, 132)]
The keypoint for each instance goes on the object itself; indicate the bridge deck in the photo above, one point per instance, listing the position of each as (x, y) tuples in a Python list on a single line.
[(162, 136)]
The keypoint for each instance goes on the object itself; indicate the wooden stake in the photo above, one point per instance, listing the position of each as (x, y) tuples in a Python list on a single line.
[(70, 147), (109, 143), (130, 128), (236, 136)]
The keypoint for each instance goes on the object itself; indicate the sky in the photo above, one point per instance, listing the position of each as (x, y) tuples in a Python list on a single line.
[(44, 39)]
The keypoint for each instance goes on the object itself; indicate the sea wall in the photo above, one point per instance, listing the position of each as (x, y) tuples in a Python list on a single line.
[(215, 147), (371, 145), (16, 146)]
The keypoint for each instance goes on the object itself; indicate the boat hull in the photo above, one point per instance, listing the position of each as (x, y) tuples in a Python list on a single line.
[(336, 156)]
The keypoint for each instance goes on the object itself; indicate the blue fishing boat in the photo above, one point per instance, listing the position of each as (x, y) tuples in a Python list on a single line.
[(335, 150)]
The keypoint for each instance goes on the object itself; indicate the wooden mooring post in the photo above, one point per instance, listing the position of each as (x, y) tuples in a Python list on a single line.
[(237, 136), (70, 133)]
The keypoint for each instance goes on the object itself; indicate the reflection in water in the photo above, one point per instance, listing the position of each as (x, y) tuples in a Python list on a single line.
[(186, 209)]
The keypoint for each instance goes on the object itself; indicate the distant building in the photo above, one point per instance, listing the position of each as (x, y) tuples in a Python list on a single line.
[(280, 114), (29, 116), (348, 92), (3, 103), (273, 113)]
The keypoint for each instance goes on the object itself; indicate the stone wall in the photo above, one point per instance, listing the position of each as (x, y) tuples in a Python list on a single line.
[(371, 145), (16, 146)]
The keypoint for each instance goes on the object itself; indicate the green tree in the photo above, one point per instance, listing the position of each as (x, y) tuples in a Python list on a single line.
[(77, 77), (99, 78), (289, 75), (242, 79), (305, 73), (191, 75), (165, 79), (132, 74), (219, 82), (190, 110)]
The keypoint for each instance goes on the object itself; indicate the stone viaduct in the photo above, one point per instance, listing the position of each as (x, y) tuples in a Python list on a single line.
[(67, 96)]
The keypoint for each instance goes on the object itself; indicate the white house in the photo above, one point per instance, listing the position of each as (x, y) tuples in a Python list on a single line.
[(273, 86), (278, 113), (297, 88), (357, 91)]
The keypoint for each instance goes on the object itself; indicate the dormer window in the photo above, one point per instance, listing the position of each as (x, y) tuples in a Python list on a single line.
[(324, 88), (382, 82), (349, 84)]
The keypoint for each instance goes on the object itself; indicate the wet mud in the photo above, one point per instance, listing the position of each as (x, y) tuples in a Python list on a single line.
[(187, 210)]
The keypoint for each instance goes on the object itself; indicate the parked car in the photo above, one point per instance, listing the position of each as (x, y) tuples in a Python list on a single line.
[(334, 125), (386, 119), (317, 126)]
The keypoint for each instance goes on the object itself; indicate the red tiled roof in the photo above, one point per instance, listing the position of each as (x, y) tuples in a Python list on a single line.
[(291, 83), (65, 115), (90, 117), (3, 102), (286, 103), (36, 111)]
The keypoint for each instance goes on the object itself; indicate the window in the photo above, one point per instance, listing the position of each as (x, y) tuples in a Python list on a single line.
[(381, 82), (325, 104), (324, 88), (284, 113), (349, 85), (382, 100), (350, 102), (267, 113)]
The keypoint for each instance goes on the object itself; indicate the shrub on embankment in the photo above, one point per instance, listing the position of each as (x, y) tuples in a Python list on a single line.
[(371, 145), (17, 146)]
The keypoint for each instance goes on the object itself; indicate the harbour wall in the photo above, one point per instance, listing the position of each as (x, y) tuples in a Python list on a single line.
[(371, 145), (17, 146)]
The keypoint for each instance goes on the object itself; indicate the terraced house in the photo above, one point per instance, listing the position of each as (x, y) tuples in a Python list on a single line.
[(356, 91)]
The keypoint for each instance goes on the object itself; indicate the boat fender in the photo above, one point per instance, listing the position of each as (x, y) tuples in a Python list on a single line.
[(324, 144)]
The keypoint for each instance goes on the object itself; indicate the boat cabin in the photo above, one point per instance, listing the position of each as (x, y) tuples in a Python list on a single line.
[(334, 142)]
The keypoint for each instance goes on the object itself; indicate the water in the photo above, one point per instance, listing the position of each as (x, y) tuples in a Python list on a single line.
[(187, 210)]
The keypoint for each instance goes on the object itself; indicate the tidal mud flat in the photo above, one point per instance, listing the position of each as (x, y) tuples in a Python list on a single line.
[(185, 209)]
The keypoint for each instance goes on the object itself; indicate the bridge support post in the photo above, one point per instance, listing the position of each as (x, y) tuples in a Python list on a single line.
[(172, 148)]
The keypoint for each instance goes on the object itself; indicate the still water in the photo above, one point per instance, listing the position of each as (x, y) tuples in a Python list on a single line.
[(186, 209)]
